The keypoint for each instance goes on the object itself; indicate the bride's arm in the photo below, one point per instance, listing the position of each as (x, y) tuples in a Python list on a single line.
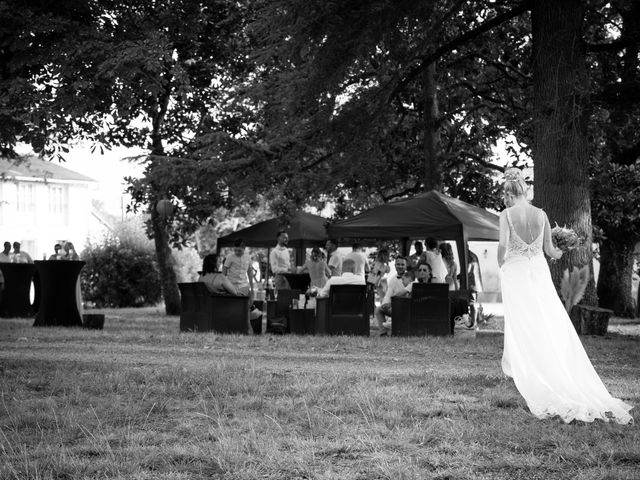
[(549, 248), (504, 237)]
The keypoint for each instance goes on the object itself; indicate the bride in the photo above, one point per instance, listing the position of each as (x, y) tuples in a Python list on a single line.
[(542, 351)]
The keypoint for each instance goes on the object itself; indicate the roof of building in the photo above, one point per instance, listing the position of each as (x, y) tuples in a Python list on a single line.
[(38, 169)]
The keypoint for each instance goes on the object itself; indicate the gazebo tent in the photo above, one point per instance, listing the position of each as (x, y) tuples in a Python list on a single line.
[(304, 229), (430, 214)]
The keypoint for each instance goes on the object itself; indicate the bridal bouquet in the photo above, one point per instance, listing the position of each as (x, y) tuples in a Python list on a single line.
[(565, 238)]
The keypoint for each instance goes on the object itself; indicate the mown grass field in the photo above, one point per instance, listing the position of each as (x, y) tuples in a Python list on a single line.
[(138, 400)]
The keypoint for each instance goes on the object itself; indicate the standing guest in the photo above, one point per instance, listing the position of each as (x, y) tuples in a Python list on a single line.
[(452, 267), (335, 258), (237, 268), (280, 261), (214, 280), (69, 252), (1, 284), (317, 268), (20, 257), (360, 259), (348, 277), (424, 274), (56, 256), (434, 258), (395, 287), (378, 271), (474, 274), (417, 256), (5, 254)]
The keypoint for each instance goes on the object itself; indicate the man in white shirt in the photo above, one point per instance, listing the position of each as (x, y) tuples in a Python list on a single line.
[(5, 254), (237, 267), (280, 261), (359, 258), (334, 258), (434, 259), (348, 277), (395, 287), (20, 257)]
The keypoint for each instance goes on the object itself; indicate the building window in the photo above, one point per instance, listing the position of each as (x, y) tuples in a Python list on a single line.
[(57, 200), (26, 199)]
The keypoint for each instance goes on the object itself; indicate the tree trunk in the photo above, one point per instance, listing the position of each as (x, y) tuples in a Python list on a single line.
[(165, 264), (561, 100), (432, 170), (614, 279), (168, 278)]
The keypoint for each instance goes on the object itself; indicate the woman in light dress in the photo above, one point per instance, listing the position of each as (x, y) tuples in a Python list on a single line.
[(316, 267), (542, 351), (452, 267)]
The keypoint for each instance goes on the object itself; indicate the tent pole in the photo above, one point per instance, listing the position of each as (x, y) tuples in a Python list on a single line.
[(462, 246), (406, 246)]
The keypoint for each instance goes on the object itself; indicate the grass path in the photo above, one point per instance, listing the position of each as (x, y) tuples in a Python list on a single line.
[(139, 400)]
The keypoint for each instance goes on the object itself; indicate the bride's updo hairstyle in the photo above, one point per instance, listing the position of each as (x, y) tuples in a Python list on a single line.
[(514, 183)]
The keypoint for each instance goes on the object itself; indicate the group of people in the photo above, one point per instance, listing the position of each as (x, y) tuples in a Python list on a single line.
[(236, 277), (66, 252), (17, 256), (435, 264)]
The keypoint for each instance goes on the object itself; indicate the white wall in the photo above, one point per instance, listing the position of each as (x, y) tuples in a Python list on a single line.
[(40, 228)]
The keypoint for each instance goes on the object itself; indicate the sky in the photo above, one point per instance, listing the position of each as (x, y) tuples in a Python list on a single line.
[(108, 170)]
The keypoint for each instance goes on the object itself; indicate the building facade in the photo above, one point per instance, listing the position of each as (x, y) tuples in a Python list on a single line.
[(43, 203)]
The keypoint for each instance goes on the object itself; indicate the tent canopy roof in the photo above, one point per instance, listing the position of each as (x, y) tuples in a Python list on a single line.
[(430, 214), (303, 228)]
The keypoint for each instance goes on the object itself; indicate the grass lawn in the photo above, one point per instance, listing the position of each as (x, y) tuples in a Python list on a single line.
[(140, 400)]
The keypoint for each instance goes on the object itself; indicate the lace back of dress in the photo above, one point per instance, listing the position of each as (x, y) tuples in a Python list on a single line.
[(517, 247)]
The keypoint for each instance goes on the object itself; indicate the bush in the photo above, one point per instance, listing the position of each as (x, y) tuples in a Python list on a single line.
[(120, 274)]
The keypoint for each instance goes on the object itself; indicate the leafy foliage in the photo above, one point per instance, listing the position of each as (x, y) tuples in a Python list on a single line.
[(342, 109), (120, 274)]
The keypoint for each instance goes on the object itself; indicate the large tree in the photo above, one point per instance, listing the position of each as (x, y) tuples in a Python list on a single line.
[(368, 101), (152, 73), (615, 129)]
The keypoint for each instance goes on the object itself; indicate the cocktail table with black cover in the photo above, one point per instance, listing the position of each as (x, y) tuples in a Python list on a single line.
[(58, 302), (17, 285)]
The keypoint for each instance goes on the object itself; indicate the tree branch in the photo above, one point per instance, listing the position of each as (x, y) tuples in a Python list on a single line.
[(415, 189), (481, 161), (428, 59), (616, 45)]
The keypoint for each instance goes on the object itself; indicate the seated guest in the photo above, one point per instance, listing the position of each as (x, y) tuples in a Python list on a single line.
[(348, 277), (408, 279), (215, 281), (57, 255), (434, 259), (69, 252), (20, 257), (5, 255), (395, 287), (317, 268), (424, 274)]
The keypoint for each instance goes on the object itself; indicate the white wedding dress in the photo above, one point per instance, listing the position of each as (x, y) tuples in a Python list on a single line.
[(542, 351)]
